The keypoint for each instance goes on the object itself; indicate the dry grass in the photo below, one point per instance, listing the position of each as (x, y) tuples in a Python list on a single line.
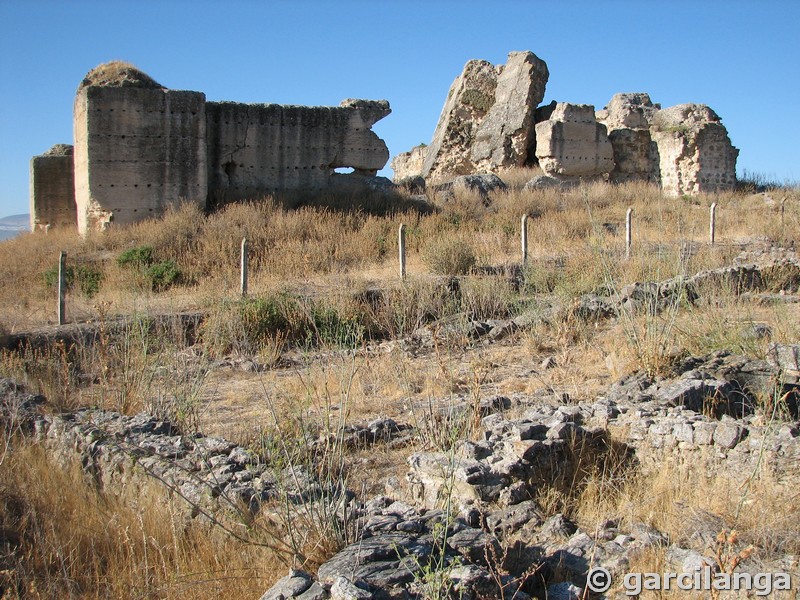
[(60, 538), (312, 248), (323, 292)]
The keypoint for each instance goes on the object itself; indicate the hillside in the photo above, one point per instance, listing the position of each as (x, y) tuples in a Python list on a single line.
[(13, 224), (482, 427)]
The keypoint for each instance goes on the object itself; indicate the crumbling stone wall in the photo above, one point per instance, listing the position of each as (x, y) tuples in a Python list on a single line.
[(469, 99), (491, 121), (695, 152), (52, 200), (138, 151), (627, 119), (141, 148), (258, 149), (506, 134), (409, 164), (571, 143)]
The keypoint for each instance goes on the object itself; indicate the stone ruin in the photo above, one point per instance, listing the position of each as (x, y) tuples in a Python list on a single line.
[(492, 121), (141, 148), (52, 189)]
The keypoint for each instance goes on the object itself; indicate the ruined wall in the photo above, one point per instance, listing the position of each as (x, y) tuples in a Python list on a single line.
[(258, 149), (695, 152), (138, 151), (491, 122), (52, 189), (571, 143), (409, 164), (487, 122), (627, 119)]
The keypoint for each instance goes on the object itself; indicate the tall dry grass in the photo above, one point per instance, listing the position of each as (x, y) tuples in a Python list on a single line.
[(313, 246), (60, 538)]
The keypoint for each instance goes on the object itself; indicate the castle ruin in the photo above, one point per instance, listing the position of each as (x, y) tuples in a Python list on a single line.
[(141, 148), (492, 121)]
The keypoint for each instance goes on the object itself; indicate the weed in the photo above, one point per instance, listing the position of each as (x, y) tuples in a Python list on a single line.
[(159, 275), (162, 275)]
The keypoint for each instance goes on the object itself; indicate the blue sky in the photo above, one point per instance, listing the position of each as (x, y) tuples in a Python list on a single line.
[(740, 58)]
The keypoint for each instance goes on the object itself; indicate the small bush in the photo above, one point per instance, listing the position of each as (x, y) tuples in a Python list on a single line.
[(163, 275), (138, 257), (159, 276), (87, 278), (330, 328), (449, 257)]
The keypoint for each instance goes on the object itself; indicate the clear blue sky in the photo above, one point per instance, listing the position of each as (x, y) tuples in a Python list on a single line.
[(740, 58)]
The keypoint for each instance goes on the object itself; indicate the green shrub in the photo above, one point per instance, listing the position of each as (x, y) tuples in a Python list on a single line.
[(162, 275), (137, 257), (87, 278), (449, 257), (265, 317), (159, 276)]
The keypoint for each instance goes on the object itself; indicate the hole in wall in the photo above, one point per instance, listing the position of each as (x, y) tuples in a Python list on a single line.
[(344, 170), (230, 170)]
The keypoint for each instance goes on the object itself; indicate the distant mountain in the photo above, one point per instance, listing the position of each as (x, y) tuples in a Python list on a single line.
[(12, 225)]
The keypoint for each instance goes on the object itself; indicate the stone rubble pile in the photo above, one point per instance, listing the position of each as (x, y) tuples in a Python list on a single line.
[(766, 274), (492, 483)]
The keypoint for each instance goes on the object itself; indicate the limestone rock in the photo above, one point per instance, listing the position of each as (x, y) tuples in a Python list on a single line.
[(344, 589), (572, 144), (482, 184), (506, 133), (695, 152), (635, 156), (627, 119), (470, 98), (291, 586), (543, 182), (409, 164)]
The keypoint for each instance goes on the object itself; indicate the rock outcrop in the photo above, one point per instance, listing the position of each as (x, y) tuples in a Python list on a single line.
[(695, 152), (469, 100), (487, 121), (572, 144)]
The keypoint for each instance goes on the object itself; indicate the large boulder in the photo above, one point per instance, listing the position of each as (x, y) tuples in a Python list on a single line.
[(480, 183), (470, 98), (507, 131), (571, 143), (695, 153)]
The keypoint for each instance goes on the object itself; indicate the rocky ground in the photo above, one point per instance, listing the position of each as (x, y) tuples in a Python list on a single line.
[(469, 516)]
